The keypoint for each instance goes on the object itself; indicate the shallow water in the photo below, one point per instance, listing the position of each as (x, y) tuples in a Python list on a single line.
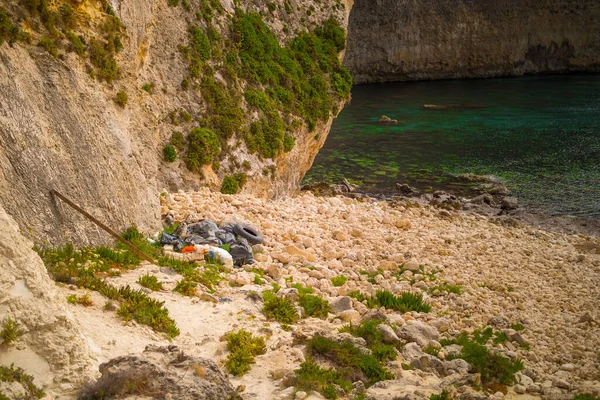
[(540, 135)]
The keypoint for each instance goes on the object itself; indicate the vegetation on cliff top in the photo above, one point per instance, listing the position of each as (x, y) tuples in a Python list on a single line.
[(246, 67)]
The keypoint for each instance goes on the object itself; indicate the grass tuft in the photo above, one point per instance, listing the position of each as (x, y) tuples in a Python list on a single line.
[(150, 281), (243, 347), (311, 377), (279, 309), (349, 360), (493, 367), (338, 281), (373, 336), (87, 268)]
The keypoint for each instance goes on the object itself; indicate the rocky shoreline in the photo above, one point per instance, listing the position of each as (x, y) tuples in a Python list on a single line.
[(526, 298), (488, 196), (510, 275)]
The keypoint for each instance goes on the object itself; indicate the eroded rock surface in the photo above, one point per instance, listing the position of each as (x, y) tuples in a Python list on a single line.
[(51, 347), (161, 372)]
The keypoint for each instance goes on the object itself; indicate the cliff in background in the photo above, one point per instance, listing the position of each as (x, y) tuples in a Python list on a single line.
[(181, 66), (398, 40)]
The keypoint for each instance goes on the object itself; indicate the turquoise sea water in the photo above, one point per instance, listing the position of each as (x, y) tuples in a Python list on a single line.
[(540, 135)]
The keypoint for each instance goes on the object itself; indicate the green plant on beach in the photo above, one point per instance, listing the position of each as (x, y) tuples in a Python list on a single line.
[(83, 300), (150, 281), (279, 309), (338, 281), (374, 338), (311, 377), (405, 302), (87, 268), (349, 360), (243, 347), (186, 287), (445, 288), (493, 367)]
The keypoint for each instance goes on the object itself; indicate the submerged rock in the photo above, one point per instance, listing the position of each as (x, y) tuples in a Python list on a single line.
[(387, 120)]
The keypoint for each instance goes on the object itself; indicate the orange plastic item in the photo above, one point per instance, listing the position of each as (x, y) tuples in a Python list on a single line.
[(188, 249)]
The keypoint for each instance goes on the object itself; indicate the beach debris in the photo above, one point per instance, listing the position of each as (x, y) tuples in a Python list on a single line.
[(230, 243)]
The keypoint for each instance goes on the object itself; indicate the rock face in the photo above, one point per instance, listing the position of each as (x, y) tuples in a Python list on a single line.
[(60, 129), (391, 40), (51, 347), (164, 372)]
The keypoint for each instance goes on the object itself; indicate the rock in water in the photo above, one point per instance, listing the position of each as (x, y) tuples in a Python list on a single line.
[(164, 372), (406, 189), (323, 189), (510, 203), (387, 120)]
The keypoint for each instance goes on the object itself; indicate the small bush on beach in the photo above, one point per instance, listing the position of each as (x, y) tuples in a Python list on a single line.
[(279, 309), (150, 281), (243, 347)]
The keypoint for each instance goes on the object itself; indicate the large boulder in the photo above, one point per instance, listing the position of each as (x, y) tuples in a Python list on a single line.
[(419, 332), (161, 372)]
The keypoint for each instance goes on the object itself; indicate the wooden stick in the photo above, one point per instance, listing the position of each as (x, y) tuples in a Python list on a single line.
[(104, 227)]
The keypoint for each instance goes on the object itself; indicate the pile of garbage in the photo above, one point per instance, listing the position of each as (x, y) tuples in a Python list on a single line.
[(231, 243)]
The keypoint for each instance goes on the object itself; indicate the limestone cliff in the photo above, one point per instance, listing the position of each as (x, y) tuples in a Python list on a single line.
[(397, 40), (61, 128), (50, 347)]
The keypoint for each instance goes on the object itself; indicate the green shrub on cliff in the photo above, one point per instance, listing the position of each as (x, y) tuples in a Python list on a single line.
[(103, 58), (199, 51), (224, 106), (49, 44), (10, 331), (8, 31), (169, 153), (302, 78), (178, 140), (121, 98), (203, 148), (233, 184)]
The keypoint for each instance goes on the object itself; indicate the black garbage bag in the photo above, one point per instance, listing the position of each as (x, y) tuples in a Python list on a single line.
[(197, 239), (225, 237), (228, 227), (204, 228), (173, 240), (241, 252)]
